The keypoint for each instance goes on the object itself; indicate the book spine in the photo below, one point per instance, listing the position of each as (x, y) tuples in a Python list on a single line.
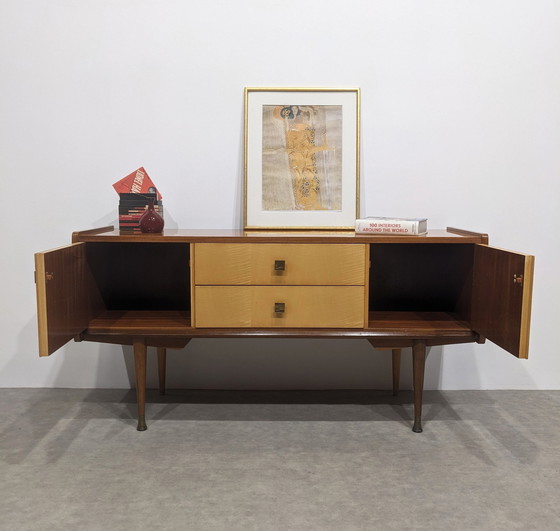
[(389, 226), (132, 213), (140, 210), (129, 218)]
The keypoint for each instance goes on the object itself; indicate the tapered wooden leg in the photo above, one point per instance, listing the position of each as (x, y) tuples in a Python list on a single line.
[(418, 364), (396, 370), (162, 368), (139, 347)]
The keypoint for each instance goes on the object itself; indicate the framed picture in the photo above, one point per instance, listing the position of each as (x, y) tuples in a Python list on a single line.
[(302, 158)]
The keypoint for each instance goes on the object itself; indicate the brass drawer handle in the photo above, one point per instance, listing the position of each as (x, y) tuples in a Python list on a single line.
[(279, 265), (279, 307)]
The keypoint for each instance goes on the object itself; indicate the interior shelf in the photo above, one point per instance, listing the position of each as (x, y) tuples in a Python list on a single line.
[(178, 324), (151, 323), (424, 324)]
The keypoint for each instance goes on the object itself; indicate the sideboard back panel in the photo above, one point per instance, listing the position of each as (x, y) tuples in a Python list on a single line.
[(143, 276), (422, 278)]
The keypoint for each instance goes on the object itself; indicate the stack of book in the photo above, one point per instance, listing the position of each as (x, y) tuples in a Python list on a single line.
[(132, 207), (392, 226), (135, 192)]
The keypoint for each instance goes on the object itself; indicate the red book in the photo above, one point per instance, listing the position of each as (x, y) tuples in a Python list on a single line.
[(138, 182)]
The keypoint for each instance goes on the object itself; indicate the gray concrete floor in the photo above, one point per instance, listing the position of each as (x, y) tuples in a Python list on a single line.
[(336, 460)]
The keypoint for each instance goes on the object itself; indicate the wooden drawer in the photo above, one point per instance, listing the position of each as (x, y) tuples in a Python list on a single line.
[(254, 306), (257, 264)]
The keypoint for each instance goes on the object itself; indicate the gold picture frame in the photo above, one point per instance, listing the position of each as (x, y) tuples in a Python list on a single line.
[(301, 158)]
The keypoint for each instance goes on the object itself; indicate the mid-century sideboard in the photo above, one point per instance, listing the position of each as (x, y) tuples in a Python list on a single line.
[(162, 290)]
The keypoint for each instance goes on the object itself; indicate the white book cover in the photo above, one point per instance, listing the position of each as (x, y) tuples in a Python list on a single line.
[(393, 226)]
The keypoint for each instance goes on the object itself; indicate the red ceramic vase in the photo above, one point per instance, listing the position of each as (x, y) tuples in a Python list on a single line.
[(151, 221)]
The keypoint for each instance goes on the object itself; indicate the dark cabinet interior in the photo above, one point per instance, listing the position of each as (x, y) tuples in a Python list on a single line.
[(141, 276), (402, 277), (421, 278)]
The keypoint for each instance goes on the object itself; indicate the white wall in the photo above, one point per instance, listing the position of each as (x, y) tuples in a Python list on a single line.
[(460, 123)]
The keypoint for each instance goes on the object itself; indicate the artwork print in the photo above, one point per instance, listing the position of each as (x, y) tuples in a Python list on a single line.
[(301, 157)]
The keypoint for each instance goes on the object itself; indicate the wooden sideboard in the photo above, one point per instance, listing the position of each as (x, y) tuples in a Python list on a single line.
[(162, 290)]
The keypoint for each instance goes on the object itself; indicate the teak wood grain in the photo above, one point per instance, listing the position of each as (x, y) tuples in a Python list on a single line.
[(145, 323), (108, 234), (67, 296), (502, 291), (418, 324), (120, 327)]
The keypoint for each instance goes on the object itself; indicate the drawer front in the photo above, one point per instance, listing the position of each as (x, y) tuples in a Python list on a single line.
[(260, 306), (277, 264)]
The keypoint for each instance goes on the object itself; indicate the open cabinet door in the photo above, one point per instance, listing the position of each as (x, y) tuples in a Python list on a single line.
[(67, 297), (502, 291)]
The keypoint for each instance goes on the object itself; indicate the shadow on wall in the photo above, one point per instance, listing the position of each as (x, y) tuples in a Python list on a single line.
[(284, 364), (230, 364), (275, 364)]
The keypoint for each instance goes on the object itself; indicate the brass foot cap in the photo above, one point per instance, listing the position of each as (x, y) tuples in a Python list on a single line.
[(142, 423)]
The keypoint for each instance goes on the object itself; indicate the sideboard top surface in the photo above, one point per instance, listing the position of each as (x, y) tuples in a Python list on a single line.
[(108, 234)]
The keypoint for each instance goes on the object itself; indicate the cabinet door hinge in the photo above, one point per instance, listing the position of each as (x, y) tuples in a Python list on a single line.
[(48, 276)]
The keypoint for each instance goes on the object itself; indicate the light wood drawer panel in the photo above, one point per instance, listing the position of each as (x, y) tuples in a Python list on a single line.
[(305, 264), (305, 307)]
